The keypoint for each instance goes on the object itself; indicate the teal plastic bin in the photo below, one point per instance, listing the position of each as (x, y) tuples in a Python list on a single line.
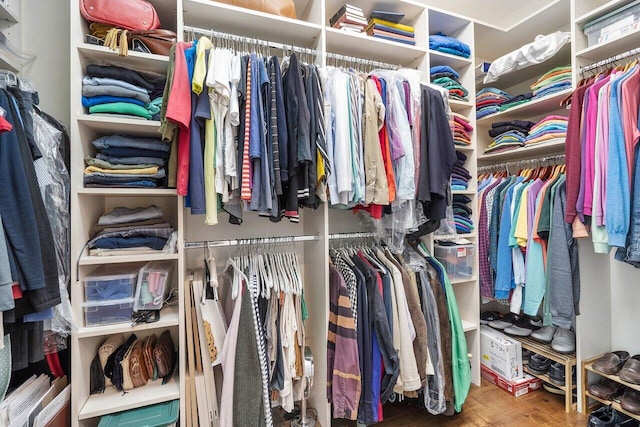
[(160, 415)]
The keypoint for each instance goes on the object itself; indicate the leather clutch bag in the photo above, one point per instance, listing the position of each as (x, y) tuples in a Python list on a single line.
[(157, 41), (114, 366), (106, 349), (96, 376), (125, 363), (164, 354), (147, 352), (137, 365)]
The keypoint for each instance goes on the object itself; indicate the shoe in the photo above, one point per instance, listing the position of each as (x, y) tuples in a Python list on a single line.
[(539, 364), (506, 321), (488, 316), (605, 416), (606, 389), (564, 341), (526, 355), (630, 371), (611, 363), (523, 327), (626, 421), (551, 389), (557, 374), (631, 401), (544, 334)]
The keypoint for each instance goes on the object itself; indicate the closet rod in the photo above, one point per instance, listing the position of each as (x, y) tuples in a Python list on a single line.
[(356, 235), (521, 163), (354, 59), (242, 39), (251, 241), (611, 59)]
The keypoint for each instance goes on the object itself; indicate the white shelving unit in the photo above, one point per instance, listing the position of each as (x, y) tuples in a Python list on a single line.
[(87, 204)]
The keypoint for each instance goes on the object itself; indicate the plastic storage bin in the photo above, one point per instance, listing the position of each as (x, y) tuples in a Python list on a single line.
[(159, 415), (111, 282), (457, 260), (97, 313), (153, 285), (614, 24)]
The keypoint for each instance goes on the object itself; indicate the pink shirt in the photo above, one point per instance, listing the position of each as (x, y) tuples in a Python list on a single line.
[(590, 142), (602, 148), (630, 104)]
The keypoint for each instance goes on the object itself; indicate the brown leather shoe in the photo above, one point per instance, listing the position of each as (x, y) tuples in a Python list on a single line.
[(606, 389), (610, 363), (630, 372), (631, 401)]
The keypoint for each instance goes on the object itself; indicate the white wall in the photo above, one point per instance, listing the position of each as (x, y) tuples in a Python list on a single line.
[(44, 26)]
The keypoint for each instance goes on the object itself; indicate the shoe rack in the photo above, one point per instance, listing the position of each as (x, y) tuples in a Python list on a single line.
[(587, 367), (569, 362)]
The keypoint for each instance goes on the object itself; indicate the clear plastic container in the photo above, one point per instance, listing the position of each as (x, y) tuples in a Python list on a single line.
[(97, 313), (111, 282), (457, 260), (153, 285), (614, 24)]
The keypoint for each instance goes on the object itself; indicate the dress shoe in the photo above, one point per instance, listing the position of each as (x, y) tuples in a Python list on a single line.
[(606, 389), (544, 334), (489, 316), (539, 364), (564, 341), (630, 371), (557, 374), (505, 321), (526, 355), (610, 363), (523, 327), (631, 401), (626, 421)]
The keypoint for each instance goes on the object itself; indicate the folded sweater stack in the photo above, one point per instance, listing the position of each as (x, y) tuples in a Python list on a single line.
[(461, 129), (127, 161), (119, 91), (555, 80), (445, 44), (514, 101), (489, 100), (508, 135), (448, 78), (548, 130), (461, 210), (137, 230)]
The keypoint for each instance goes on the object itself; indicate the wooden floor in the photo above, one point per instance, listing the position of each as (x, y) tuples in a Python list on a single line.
[(487, 406)]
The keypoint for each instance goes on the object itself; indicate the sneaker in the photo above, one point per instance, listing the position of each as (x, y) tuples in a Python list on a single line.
[(506, 321), (564, 341), (544, 334), (557, 374), (488, 316), (523, 327)]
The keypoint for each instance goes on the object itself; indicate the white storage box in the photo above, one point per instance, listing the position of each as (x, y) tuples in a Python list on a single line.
[(111, 282), (97, 313), (153, 285), (501, 353), (614, 24)]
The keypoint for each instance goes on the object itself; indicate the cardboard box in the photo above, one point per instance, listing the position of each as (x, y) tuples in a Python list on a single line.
[(515, 388), (501, 353)]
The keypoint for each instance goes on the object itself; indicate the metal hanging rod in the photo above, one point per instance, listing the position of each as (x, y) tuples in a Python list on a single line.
[(249, 40), (610, 60), (522, 163), (345, 58), (253, 241), (357, 235)]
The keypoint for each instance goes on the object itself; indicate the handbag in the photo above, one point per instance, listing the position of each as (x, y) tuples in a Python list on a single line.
[(114, 366), (96, 376), (286, 8), (132, 15), (127, 382), (164, 354), (106, 349), (158, 41), (147, 352), (137, 365)]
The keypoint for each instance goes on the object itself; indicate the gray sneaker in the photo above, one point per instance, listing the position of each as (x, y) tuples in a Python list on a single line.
[(564, 341), (544, 334)]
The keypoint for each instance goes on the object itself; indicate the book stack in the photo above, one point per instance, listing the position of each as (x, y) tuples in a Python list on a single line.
[(349, 18), (386, 25)]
